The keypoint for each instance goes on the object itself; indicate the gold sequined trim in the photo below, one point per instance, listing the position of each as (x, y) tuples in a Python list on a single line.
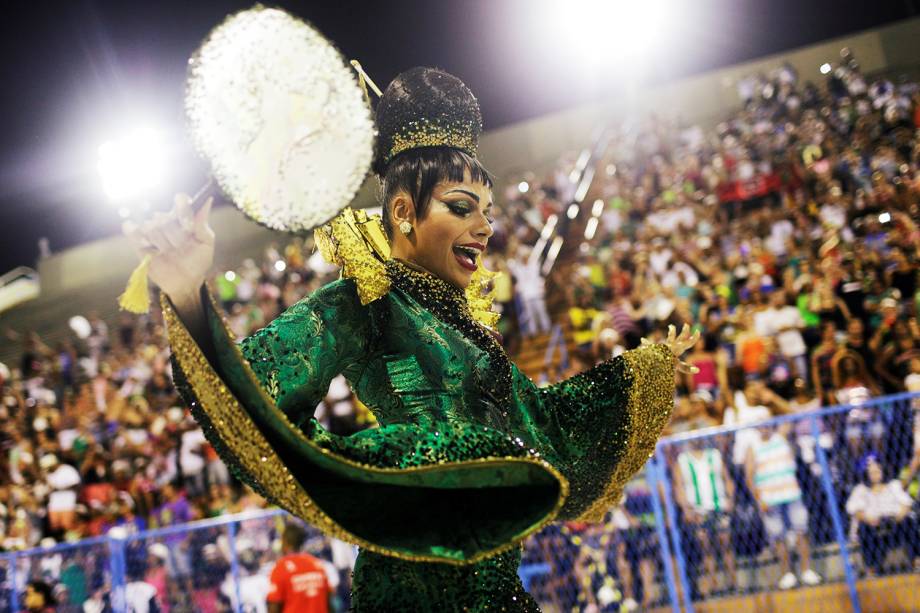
[(651, 399), (239, 433), (430, 132)]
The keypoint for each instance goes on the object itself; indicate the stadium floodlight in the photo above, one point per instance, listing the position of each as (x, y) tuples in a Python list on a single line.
[(825, 68), (133, 165), (613, 30)]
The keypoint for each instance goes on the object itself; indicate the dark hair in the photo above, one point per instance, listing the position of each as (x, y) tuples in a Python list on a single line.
[(294, 536), (45, 590), (863, 465), (417, 171)]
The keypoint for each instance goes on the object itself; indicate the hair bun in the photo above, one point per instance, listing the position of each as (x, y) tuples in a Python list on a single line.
[(425, 107)]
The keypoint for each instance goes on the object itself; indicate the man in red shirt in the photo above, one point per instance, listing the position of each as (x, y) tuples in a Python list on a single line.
[(298, 581)]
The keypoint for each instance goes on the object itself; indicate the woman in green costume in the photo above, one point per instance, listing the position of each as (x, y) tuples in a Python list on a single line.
[(470, 457)]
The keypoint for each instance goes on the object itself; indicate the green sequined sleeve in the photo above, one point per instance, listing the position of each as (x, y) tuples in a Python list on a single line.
[(601, 425)]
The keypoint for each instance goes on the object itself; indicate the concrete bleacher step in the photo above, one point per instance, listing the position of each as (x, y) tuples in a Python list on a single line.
[(531, 356)]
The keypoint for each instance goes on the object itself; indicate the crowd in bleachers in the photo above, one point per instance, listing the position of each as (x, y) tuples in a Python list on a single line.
[(787, 235)]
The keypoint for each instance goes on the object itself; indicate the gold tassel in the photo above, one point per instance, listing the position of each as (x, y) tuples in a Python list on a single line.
[(136, 298)]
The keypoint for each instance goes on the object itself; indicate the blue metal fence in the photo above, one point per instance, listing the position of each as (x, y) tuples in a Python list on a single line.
[(794, 505)]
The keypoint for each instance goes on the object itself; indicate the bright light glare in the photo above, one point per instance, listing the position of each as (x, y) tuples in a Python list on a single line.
[(523, 186), (230, 275), (884, 218), (613, 29), (549, 227), (280, 265), (597, 208), (132, 165), (591, 228), (825, 68)]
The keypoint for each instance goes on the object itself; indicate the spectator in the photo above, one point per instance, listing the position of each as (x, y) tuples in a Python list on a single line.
[(635, 543), (530, 288), (771, 476), (39, 598), (855, 387), (705, 493), (821, 357), (582, 319), (805, 401), (298, 581), (254, 585), (141, 596), (62, 501), (784, 322), (156, 574), (882, 512)]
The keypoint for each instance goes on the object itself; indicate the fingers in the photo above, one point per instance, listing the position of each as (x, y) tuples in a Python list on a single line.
[(167, 232), (203, 231), (184, 213), (174, 233), (156, 233), (139, 241)]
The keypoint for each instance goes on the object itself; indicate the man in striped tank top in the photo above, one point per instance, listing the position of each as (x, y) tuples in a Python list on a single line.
[(770, 471), (705, 493)]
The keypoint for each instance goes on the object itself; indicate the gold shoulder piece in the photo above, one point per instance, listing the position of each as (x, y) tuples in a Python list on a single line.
[(355, 241)]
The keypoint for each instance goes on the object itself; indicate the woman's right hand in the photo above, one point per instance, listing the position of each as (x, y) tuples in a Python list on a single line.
[(181, 246)]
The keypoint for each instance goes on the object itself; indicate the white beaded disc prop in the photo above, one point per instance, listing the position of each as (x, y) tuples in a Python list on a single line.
[(280, 116)]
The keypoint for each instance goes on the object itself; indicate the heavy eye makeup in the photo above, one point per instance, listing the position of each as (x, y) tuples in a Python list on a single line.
[(462, 208)]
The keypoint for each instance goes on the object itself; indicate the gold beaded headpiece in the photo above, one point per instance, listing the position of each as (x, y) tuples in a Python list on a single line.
[(425, 107)]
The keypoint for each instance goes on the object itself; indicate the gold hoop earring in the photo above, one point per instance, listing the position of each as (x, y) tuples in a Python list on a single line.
[(405, 227)]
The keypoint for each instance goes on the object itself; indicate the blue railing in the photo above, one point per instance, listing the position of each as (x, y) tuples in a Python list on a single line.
[(663, 547)]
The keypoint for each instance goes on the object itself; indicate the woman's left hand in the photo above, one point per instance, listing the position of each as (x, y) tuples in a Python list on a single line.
[(678, 344)]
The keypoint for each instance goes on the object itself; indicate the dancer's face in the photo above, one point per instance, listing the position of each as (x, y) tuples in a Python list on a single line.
[(453, 233)]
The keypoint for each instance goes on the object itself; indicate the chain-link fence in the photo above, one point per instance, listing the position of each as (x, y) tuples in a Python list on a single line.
[(806, 512), (817, 510)]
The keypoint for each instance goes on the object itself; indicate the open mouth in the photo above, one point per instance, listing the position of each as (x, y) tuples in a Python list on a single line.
[(466, 256)]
